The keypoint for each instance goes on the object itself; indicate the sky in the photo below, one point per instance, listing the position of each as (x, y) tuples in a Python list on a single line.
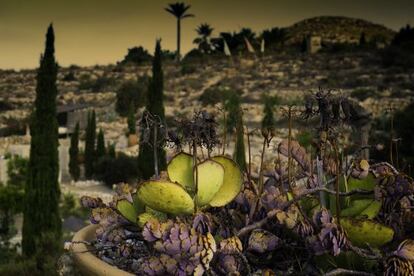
[(90, 32)]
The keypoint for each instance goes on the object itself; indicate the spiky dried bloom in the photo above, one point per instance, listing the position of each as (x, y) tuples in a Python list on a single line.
[(231, 244), (406, 250), (201, 130), (230, 263), (394, 187), (202, 223), (272, 198), (303, 229), (333, 238), (181, 249), (91, 202), (360, 169), (395, 265), (322, 218), (262, 241), (297, 152)]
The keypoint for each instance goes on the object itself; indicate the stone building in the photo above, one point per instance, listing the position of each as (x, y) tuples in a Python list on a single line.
[(313, 44), (70, 114)]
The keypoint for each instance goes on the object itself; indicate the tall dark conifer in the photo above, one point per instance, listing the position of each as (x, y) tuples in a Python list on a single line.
[(42, 227), (155, 106), (74, 168), (100, 145), (239, 148), (90, 140)]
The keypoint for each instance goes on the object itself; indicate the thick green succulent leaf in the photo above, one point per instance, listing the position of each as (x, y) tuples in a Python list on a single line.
[(368, 183), (127, 210), (166, 197), (180, 170), (232, 182), (210, 175), (356, 207), (363, 231), (156, 214), (144, 218), (372, 210), (138, 205)]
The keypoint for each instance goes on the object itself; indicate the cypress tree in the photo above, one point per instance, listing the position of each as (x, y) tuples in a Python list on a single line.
[(90, 152), (239, 148), (42, 228), (268, 122), (131, 120), (111, 150), (154, 106), (100, 145), (74, 168)]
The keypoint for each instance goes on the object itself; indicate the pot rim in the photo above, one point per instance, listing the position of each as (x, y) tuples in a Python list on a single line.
[(88, 263)]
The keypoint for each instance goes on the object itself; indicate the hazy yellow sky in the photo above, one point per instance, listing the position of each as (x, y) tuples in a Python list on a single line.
[(100, 31)]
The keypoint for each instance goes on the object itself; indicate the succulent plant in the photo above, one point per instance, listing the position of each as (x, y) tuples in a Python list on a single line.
[(219, 181), (181, 249)]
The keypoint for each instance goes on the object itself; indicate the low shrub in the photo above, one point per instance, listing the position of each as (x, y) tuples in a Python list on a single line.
[(120, 169)]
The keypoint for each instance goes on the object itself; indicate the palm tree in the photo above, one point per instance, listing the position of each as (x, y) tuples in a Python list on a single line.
[(179, 11), (204, 31)]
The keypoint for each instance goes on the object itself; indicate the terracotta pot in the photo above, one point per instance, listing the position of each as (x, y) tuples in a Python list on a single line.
[(87, 263), (132, 140)]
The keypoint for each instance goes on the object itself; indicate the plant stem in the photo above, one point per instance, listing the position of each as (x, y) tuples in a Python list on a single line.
[(155, 152), (261, 168), (249, 173), (338, 168), (195, 175), (391, 138), (289, 146), (224, 132)]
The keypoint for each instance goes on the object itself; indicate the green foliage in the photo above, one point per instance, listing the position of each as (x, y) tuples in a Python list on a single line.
[(214, 95), (17, 171), (42, 224), (95, 85), (155, 106), (112, 170), (100, 145), (74, 168), (90, 151), (304, 138), (232, 106), (240, 150), (70, 206), (400, 52), (137, 55), (131, 120), (268, 122), (130, 92), (404, 125), (111, 150)]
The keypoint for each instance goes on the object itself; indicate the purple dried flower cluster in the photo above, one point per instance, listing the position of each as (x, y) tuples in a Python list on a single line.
[(181, 249), (331, 237)]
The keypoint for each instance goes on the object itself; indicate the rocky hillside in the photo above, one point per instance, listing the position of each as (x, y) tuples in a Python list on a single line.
[(338, 29)]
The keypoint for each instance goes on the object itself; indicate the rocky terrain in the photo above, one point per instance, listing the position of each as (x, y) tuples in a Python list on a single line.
[(288, 77), (339, 29)]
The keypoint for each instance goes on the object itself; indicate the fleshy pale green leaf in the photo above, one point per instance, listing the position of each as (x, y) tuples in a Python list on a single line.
[(180, 170), (372, 210), (368, 183), (210, 175), (356, 207), (232, 182), (143, 218), (138, 205), (166, 197), (127, 210), (362, 231)]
